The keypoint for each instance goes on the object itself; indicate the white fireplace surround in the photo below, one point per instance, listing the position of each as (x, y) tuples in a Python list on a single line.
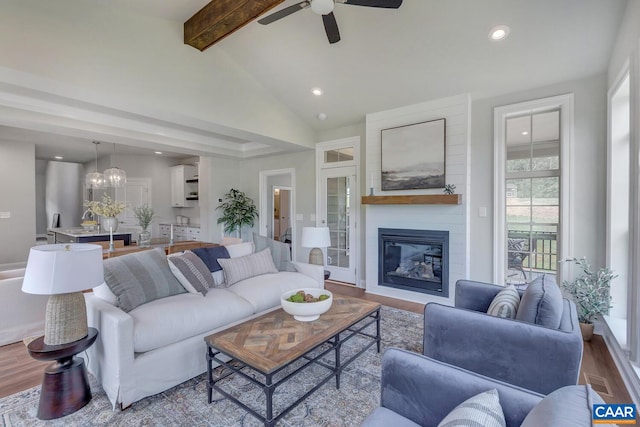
[(452, 218)]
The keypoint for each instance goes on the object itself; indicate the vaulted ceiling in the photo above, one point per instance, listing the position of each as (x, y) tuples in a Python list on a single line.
[(424, 50)]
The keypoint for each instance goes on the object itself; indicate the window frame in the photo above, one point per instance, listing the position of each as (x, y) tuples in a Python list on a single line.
[(564, 103)]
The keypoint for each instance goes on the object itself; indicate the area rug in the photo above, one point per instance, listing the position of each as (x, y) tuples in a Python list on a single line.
[(186, 404)]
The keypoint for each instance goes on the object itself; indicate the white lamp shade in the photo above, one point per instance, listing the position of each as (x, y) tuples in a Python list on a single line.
[(315, 237), (63, 268), (322, 7)]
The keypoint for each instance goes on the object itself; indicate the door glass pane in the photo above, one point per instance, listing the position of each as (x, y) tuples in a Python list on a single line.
[(519, 144), (545, 141), (338, 193), (340, 155)]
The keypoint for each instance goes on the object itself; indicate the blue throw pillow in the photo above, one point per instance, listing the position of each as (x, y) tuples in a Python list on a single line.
[(211, 255), (541, 303)]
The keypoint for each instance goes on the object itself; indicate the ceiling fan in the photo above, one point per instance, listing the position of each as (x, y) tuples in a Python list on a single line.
[(325, 8)]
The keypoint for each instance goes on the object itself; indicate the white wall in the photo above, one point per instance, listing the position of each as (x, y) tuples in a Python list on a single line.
[(95, 52), (452, 218), (627, 40), (217, 177), (305, 194), (41, 213), (589, 170), (17, 196)]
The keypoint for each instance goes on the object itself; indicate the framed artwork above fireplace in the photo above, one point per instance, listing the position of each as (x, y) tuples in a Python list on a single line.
[(413, 156)]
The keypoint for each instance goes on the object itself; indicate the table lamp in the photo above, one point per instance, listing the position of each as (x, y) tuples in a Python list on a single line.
[(316, 238), (63, 271)]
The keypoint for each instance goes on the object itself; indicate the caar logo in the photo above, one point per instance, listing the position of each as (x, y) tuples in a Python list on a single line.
[(619, 414)]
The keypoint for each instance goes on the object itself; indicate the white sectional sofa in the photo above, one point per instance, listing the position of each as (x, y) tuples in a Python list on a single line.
[(21, 314), (160, 344)]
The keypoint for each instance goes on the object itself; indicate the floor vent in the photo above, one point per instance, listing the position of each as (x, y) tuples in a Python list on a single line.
[(599, 384)]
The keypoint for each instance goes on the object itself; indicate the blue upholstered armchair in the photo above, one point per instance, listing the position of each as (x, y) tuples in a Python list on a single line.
[(528, 355), (419, 391)]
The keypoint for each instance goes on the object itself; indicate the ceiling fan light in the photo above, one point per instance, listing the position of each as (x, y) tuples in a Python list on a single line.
[(322, 7), (115, 177)]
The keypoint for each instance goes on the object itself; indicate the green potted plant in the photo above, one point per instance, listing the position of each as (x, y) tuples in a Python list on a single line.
[(591, 293), (144, 214), (237, 210)]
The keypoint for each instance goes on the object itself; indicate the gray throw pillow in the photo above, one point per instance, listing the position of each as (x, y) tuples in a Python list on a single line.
[(237, 269), (541, 303), (140, 277), (505, 303), (568, 406), (280, 252), (480, 410), (192, 273)]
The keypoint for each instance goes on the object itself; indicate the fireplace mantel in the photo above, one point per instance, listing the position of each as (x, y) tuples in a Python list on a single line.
[(417, 199)]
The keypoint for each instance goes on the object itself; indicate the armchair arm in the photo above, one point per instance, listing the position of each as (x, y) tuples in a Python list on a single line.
[(426, 390), (528, 355), (476, 296), (316, 272), (111, 357)]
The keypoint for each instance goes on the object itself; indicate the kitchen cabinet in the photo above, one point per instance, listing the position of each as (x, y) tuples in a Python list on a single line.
[(184, 186), (180, 232)]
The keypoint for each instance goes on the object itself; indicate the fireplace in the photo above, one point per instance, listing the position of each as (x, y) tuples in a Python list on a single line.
[(414, 260)]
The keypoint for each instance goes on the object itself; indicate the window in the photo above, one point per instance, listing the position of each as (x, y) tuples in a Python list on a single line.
[(533, 142)]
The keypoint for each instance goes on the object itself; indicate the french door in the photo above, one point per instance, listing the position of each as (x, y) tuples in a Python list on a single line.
[(338, 189)]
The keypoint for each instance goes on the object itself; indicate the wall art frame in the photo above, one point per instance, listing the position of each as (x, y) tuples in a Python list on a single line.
[(413, 156)]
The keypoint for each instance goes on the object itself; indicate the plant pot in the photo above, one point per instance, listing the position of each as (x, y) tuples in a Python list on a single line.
[(587, 331), (109, 223)]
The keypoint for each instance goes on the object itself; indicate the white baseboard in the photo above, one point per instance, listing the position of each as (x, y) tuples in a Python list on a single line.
[(621, 359), (13, 266)]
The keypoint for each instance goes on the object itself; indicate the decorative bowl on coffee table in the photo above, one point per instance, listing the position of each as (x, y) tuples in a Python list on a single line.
[(306, 311)]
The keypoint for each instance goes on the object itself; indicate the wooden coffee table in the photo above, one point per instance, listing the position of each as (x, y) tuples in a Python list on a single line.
[(270, 343)]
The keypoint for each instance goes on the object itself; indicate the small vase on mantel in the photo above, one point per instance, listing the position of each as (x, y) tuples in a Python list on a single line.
[(144, 239), (109, 222)]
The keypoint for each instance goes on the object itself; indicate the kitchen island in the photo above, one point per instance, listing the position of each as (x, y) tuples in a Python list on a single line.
[(80, 235)]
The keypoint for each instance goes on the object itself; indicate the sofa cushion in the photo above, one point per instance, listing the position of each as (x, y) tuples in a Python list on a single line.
[(192, 273), (567, 406), (210, 256), (169, 320), (104, 293), (237, 269), (240, 249), (264, 291), (383, 417), (482, 410), (280, 252), (541, 303), (505, 303), (140, 277)]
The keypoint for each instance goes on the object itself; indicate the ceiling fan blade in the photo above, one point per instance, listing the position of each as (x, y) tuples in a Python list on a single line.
[(284, 12), (331, 27), (389, 4)]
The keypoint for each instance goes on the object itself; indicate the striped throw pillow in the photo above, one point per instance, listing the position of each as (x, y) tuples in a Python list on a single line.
[(506, 303), (480, 410), (237, 269), (192, 272)]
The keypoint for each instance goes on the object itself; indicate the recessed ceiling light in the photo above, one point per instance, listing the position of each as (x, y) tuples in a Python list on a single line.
[(58, 157), (316, 91), (499, 32), (525, 132), (158, 152), (322, 116)]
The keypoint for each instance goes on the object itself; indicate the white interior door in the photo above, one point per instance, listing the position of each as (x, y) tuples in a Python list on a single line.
[(136, 193), (338, 189)]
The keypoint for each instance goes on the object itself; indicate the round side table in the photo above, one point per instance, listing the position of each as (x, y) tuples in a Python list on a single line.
[(65, 386)]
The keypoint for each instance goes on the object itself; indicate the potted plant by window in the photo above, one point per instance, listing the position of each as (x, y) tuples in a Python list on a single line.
[(144, 214), (590, 292), (237, 210)]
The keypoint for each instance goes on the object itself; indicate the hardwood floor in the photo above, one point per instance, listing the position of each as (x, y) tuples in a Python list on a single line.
[(18, 371)]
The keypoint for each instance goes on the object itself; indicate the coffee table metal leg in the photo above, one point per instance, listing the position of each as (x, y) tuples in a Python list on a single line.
[(338, 368), (378, 339), (268, 390)]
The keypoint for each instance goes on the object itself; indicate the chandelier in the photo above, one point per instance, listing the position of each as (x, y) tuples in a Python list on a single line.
[(114, 176), (95, 180)]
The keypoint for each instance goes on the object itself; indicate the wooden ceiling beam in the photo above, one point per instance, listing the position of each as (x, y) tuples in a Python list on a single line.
[(220, 18)]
